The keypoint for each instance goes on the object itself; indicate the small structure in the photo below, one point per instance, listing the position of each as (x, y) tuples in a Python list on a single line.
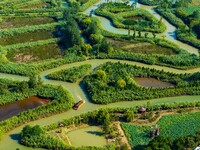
[(61, 125), (142, 110), (157, 132), (152, 133)]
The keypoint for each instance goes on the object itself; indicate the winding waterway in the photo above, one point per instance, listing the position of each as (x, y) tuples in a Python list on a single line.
[(169, 34), (10, 139)]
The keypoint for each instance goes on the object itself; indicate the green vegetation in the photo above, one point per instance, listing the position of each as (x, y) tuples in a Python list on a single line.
[(188, 142), (27, 37), (102, 117), (35, 53), (109, 84), (22, 21), (186, 19), (82, 5), (125, 16), (62, 100), (171, 126), (71, 74), (191, 10), (37, 35)]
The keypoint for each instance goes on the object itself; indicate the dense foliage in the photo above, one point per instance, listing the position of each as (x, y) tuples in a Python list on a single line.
[(184, 32), (172, 126), (127, 18), (62, 100), (101, 117), (109, 84), (71, 74)]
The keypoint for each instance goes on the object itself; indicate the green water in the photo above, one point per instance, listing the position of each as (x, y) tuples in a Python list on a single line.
[(88, 136), (10, 140)]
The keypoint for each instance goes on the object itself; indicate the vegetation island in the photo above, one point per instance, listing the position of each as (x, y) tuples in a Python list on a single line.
[(99, 74)]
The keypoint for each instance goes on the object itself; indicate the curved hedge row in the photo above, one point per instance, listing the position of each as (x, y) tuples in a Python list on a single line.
[(117, 19), (182, 35), (71, 74), (6, 32), (150, 2), (28, 69), (109, 84)]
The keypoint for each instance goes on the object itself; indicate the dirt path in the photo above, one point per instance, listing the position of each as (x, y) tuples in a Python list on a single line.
[(165, 113), (124, 139)]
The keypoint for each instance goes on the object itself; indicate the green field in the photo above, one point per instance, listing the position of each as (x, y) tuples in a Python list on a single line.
[(6, 23), (172, 126), (140, 47), (27, 37), (191, 9)]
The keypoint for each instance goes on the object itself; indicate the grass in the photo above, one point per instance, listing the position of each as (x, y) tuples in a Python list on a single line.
[(17, 22), (173, 126), (27, 37), (34, 53), (142, 48), (191, 9)]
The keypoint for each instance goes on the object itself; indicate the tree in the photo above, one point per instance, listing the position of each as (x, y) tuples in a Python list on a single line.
[(129, 115), (85, 22), (91, 12), (139, 33), (29, 131), (104, 119), (22, 86), (146, 35), (87, 48), (105, 46), (92, 29), (154, 35), (32, 82), (121, 83), (101, 75), (160, 22), (95, 38)]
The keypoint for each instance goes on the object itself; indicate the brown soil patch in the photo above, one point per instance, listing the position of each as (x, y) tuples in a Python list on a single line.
[(140, 122), (136, 45), (134, 18), (123, 136), (24, 58)]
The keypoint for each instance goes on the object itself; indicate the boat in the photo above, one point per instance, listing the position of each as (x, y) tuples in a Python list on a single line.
[(78, 104)]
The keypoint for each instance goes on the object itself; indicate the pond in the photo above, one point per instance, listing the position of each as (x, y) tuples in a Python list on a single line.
[(152, 82), (14, 108), (87, 136)]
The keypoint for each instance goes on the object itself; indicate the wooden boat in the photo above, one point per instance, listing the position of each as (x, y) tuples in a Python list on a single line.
[(78, 105)]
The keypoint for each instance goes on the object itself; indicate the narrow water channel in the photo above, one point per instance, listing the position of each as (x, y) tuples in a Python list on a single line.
[(14, 108), (169, 34), (10, 140)]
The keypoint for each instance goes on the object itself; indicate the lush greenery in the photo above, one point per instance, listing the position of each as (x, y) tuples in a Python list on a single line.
[(109, 84), (171, 126), (186, 23), (187, 142), (62, 100), (71, 74), (102, 117), (128, 18)]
